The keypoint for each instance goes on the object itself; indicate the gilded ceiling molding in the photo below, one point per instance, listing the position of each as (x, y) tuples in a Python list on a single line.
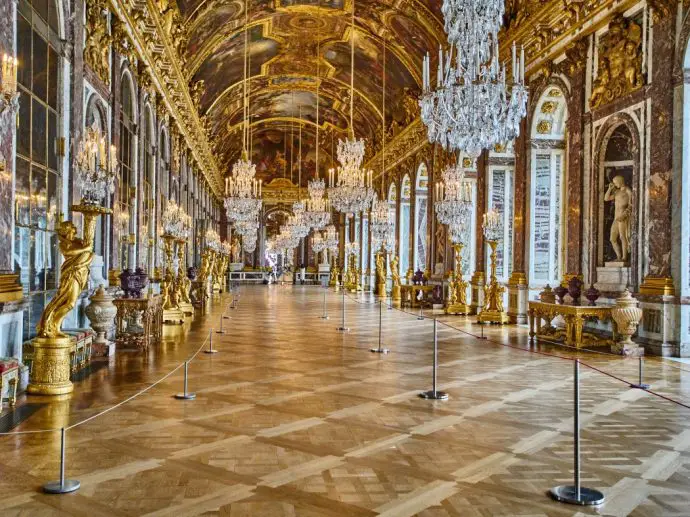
[(406, 144), (547, 29), (151, 36)]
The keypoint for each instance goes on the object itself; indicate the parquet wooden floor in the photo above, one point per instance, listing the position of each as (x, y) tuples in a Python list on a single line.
[(293, 418)]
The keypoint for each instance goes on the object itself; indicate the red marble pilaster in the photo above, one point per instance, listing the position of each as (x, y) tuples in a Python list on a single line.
[(482, 171), (573, 251), (520, 199), (658, 246), (7, 130)]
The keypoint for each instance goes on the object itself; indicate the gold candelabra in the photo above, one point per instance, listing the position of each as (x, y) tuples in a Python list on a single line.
[(493, 311), (172, 314)]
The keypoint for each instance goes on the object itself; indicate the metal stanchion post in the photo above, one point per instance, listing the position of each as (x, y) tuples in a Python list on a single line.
[(62, 486), (433, 394), (220, 331), (640, 385), (421, 313), (185, 395), (325, 312), (380, 349), (211, 350), (342, 327), (225, 314), (390, 303), (576, 494)]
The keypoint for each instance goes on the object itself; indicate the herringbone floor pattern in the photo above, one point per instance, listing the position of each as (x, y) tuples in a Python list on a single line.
[(295, 419)]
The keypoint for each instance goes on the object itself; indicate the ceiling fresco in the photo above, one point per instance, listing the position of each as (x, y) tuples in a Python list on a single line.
[(288, 40)]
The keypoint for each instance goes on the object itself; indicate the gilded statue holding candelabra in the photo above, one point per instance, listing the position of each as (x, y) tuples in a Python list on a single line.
[(457, 288), (172, 315), (203, 276), (493, 311), (95, 173), (381, 274), (183, 283), (396, 294)]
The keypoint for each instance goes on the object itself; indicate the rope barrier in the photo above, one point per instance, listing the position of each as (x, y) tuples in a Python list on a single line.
[(119, 404), (539, 352)]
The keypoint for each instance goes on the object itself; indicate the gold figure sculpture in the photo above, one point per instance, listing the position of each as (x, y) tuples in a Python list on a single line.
[(203, 276), (457, 289), (183, 284), (172, 314), (396, 292), (381, 274), (619, 69), (493, 311), (51, 364)]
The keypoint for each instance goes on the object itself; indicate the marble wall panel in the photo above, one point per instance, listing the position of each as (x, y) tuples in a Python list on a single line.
[(7, 130)]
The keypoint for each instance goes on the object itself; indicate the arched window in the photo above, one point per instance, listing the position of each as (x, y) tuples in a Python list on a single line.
[(421, 204), (127, 159), (405, 196), (500, 198), (38, 178), (547, 184)]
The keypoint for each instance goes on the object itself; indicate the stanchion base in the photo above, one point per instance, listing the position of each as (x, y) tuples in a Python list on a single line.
[(54, 487), (420, 318), (434, 395), (568, 494), (325, 317), (212, 351), (185, 396), (226, 317), (380, 350), (220, 332), (641, 386), (343, 329)]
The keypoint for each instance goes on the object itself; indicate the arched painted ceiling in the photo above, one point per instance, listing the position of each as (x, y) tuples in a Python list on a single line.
[(284, 36)]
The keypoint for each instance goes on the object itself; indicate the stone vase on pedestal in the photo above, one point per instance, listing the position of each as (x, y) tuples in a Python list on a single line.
[(101, 313), (627, 315)]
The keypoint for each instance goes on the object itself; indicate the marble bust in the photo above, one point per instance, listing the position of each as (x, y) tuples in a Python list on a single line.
[(621, 195)]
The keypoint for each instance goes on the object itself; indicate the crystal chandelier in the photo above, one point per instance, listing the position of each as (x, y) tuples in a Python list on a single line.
[(243, 191), (330, 238), (213, 240), (381, 223), (350, 189), (318, 213), (298, 224), (454, 197), (175, 221), (473, 107), (95, 168), (318, 244), (491, 226)]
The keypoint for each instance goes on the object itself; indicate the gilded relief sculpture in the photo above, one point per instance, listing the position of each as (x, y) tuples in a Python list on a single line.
[(621, 195), (98, 40), (619, 70), (396, 294), (51, 365)]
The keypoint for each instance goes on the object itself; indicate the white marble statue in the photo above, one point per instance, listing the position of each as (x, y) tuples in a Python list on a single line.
[(621, 195)]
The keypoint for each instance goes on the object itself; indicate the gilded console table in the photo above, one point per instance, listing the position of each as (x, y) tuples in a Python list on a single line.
[(410, 292), (151, 311), (541, 315)]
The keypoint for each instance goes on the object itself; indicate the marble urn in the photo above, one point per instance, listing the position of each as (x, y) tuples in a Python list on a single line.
[(627, 315), (101, 313)]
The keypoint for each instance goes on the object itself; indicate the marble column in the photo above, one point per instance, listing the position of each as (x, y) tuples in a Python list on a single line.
[(518, 284)]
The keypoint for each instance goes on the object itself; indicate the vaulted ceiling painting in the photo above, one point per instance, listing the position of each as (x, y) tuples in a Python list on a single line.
[(288, 40)]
